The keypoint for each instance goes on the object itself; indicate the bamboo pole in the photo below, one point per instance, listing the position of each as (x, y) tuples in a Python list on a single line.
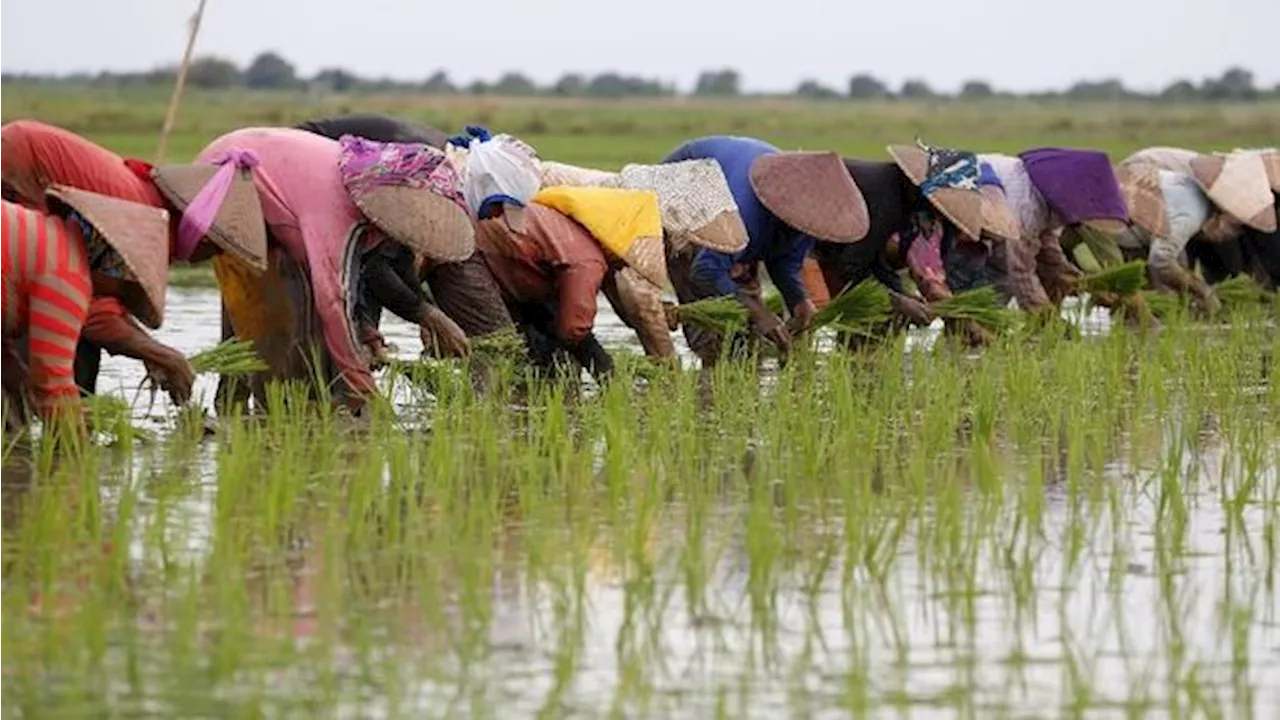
[(179, 82)]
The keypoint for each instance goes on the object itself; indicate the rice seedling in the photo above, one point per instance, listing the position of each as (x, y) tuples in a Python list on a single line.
[(1241, 291), (724, 315), (857, 310), (1125, 279), (233, 357), (980, 306)]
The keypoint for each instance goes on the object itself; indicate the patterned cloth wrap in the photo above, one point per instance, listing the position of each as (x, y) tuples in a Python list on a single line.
[(950, 169), (955, 169), (367, 166)]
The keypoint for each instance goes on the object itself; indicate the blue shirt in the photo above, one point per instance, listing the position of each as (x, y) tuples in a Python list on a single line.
[(780, 247)]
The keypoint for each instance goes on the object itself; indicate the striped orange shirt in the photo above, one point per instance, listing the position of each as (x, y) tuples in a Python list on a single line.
[(47, 288)]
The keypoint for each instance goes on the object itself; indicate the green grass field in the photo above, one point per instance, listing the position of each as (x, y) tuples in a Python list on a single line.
[(610, 134)]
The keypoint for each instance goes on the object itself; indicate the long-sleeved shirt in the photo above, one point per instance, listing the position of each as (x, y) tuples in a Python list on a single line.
[(376, 127), (1039, 252), (309, 212), (781, 248), (47, 286), (389, 280), (890, 199), (35, 156), (554, 260), (1187, 209)]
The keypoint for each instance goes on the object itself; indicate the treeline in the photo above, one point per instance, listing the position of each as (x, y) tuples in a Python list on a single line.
[(270, 71)]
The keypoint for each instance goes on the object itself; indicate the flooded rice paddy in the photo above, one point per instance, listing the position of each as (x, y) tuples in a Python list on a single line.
[(1051, 529)]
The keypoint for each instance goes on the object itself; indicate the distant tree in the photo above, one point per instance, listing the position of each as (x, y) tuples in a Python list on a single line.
[(514, 84), (916, 90), (439, 84), (1109, 89), (269, 71), (570, 85), (1180, 91), (815, 90), (337, 79), (718, 83), (614, 85), (865, 87), (213, 72), (976, 90), (1235, 84), (478, 87)]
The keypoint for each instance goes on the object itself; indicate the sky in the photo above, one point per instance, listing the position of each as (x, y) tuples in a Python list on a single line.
[(1019, 45)]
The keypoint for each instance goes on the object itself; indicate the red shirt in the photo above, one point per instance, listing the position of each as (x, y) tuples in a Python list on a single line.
[(555, 259)]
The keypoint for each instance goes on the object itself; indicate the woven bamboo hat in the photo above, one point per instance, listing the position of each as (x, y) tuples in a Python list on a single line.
[(138, 233)]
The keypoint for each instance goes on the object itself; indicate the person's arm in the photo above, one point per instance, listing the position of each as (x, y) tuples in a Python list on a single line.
[(712, 267), (639, 303), (1053, 267), (1164, 258), (112, 328), (57, 309), (1024, 284), (577, 285), (786, 270), (392, 289), (924, 261)]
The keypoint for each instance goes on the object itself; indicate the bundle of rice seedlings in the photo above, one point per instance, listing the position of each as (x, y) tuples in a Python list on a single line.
[(1241, 291), (1125, 279), (1163, 305), (233, 357), (724, 314), (506, 344), (980, 306), (856, 310)]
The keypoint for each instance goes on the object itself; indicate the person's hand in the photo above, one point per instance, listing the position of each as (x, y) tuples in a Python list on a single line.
[(977, 336), (171, 372), (672, 313), (771, 328), (802, 317), (1206, 299), (441, 336), (912, 308)]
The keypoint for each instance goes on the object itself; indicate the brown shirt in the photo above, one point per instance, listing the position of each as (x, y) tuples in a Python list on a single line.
[(556, 259)]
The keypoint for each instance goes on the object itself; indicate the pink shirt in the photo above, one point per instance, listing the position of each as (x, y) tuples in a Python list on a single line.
[(309, 212)]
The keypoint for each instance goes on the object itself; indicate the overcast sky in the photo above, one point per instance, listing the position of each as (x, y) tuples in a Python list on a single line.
[(1015, 44)]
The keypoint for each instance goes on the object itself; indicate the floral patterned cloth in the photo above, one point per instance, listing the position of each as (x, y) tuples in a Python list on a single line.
[(367, 165)]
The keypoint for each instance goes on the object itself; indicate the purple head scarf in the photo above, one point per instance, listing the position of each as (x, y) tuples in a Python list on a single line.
[(367, 165), (204, 207), (1079, 185)]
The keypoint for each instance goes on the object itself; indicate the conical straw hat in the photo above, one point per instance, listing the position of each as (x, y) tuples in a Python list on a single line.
[(239, 227), (696, 203), (1140, 185), (813, 193), (139, 233), (1238, 184), (962, 207)]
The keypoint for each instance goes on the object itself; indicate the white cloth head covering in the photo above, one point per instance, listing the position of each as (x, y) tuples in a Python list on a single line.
[(501, 169)]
